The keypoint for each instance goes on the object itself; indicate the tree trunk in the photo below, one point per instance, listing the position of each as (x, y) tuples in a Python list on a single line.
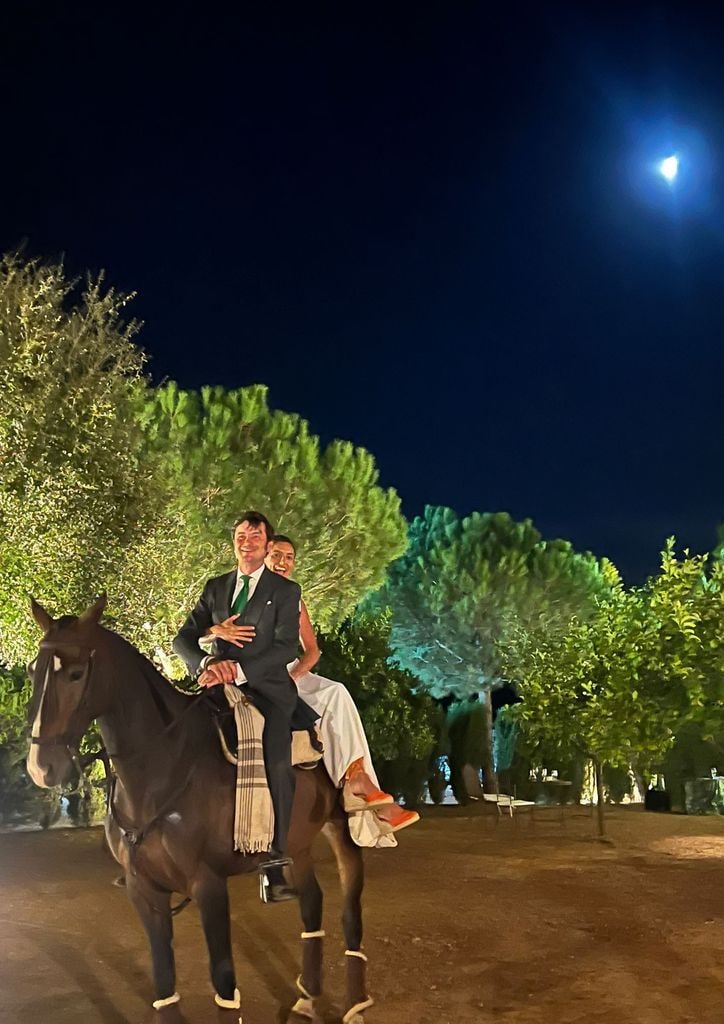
[(490, 783), (598, 773)]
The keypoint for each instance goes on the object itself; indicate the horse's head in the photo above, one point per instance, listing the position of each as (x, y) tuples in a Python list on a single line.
[(61, 708)]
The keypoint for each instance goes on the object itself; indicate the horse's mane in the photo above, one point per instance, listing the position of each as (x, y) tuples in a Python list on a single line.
[(128, 657)]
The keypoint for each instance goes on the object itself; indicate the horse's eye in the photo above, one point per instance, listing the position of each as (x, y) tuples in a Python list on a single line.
[(75, 674)]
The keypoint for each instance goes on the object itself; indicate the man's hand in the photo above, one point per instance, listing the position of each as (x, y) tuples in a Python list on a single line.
[(218, 673), (232, 632)]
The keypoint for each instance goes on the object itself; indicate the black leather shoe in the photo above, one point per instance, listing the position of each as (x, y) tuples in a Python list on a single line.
[(273, 886), (280, 893)]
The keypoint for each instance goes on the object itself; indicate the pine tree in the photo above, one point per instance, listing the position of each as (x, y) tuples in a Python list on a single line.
[(218, 453), (464, 587)]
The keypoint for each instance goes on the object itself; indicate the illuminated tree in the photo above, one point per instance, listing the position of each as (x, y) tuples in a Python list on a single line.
[(615, 687), (463, 587), (402, 724), (72, 491), (706, 708), (106, 483), (217, 453)]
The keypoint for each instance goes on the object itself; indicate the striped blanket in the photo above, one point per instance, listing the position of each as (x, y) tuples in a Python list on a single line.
[(254, 811)]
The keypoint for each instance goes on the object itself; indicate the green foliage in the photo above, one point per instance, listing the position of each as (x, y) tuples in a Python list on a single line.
[(466, 743), (87, 805), (19, 798), (216, 453), (505, 735), (463, 587), (71, 485), (702, 610), (108, 484), (401, 723), (466, 734), (617, 686), (14, 695)]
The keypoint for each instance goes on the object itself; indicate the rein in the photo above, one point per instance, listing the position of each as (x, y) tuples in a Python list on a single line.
[(164, 732), (134, 835)]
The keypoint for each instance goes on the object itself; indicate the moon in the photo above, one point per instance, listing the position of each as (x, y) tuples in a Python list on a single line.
[(669, 167)]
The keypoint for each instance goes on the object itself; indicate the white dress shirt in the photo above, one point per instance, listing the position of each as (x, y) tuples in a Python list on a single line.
[(253, 580)]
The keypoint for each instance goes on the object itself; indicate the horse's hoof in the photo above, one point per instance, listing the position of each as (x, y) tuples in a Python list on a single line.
[(304, 1008), (229, 1004), (159, 1004), (354, 1014)]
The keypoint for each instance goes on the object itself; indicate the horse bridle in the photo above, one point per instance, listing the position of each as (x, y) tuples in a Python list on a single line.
[(41, 676), (133, 835), (43, 668)]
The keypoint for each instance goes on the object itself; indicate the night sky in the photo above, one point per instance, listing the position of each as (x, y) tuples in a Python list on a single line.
[(435, 230)]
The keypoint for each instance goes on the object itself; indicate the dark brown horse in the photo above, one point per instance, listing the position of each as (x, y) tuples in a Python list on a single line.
[(171, 823)]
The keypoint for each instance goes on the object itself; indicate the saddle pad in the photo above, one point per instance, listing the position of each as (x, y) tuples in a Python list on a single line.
[(304, 753), (253, 809)]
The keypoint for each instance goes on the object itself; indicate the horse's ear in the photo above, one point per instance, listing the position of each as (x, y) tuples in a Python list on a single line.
[(91, 616), (40, 615)]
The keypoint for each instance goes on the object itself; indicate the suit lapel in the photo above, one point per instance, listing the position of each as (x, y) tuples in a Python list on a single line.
[(229, 585), (258, 599)]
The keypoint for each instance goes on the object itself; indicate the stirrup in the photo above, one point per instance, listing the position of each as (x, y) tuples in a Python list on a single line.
[(264, 883)]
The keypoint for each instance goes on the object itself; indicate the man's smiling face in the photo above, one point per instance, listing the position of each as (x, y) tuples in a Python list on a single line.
[(250, 542)]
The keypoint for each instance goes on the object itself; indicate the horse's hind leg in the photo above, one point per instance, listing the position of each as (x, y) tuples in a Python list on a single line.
[(154, 908), (212, 895), (351, 874)]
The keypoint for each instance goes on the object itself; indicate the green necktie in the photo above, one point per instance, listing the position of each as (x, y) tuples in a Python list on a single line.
[(242, 597)]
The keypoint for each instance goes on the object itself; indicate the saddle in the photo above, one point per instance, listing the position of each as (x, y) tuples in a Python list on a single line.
[(307, 749), (241, 728)]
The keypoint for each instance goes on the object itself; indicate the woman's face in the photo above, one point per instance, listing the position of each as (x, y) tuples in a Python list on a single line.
[(281, 558)]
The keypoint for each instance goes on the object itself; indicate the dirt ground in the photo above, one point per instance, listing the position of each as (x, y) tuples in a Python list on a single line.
[(469, 920)]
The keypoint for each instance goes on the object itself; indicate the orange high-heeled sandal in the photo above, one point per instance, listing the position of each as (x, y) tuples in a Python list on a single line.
[(400, 818), (362, 801)]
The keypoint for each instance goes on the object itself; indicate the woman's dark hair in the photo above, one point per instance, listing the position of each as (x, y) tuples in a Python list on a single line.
[(283, 539)]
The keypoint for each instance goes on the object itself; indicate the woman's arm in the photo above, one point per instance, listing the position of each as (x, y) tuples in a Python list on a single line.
[(310, 647)]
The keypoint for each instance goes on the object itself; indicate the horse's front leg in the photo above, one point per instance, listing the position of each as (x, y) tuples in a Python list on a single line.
[(309, 981), (212, 895), (154, 909)]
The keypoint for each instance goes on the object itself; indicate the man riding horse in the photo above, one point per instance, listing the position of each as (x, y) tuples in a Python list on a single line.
[(271, 605)]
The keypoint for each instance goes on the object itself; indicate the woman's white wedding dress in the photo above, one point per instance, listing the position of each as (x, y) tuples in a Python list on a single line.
[(344, 741)]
